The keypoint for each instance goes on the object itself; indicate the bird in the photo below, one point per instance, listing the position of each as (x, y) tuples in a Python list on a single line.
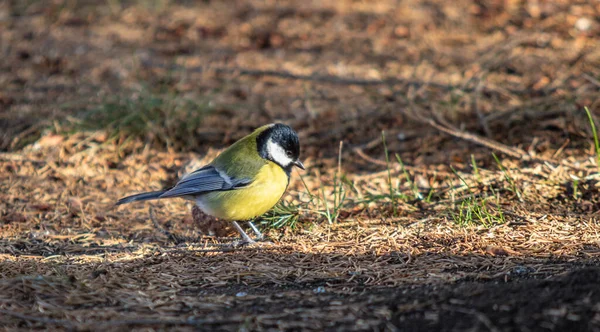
[(243, 182)]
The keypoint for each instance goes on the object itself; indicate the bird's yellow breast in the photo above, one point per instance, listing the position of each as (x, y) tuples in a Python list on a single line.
[(250, 201)]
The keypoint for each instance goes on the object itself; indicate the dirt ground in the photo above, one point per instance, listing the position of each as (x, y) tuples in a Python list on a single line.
[(463, 198)]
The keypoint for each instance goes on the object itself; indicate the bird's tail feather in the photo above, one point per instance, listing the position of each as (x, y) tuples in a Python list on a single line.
[(141, 197)]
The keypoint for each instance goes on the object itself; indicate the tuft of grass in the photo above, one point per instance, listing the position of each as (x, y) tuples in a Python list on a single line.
[(475, 168), (411, 183), (157, 118), (392, 191), (575, 189), (462, 179), (332, 211), (513, 185), (595, 134), (474, 211), (284, 214), (318, 206)]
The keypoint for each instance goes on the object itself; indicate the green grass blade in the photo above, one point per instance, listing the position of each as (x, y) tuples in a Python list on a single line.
[(595, 133)]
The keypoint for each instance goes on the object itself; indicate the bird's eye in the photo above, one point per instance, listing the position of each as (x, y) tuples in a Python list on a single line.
[(288, 153)]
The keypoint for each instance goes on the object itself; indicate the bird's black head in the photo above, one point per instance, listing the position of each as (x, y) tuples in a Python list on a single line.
[(279, 143)]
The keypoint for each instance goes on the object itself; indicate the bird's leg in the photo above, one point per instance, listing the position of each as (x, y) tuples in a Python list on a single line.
[(245, 238), (259, 235)]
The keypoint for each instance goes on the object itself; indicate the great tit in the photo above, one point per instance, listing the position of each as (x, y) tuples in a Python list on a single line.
[(244, 181)]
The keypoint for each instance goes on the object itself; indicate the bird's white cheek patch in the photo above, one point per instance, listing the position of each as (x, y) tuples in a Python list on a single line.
[(278, 154)]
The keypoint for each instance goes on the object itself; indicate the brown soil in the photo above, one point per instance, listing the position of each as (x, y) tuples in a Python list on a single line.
[(447, 81)]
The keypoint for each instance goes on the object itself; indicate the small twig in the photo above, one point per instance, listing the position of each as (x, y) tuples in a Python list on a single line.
[(476, 139), (591, 79), (368, 158), (473, 138)]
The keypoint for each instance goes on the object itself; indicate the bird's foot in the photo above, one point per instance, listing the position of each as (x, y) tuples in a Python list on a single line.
[(246, 240), (243, 243), (259, 235)]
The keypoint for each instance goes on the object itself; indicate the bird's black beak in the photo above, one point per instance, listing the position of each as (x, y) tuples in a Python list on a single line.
[(299, 164)]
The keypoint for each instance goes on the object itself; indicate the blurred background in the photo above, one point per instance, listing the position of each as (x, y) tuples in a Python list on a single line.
[(189, 75)]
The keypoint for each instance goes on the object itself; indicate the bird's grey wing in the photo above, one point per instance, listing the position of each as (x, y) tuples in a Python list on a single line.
[(204, 180)]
